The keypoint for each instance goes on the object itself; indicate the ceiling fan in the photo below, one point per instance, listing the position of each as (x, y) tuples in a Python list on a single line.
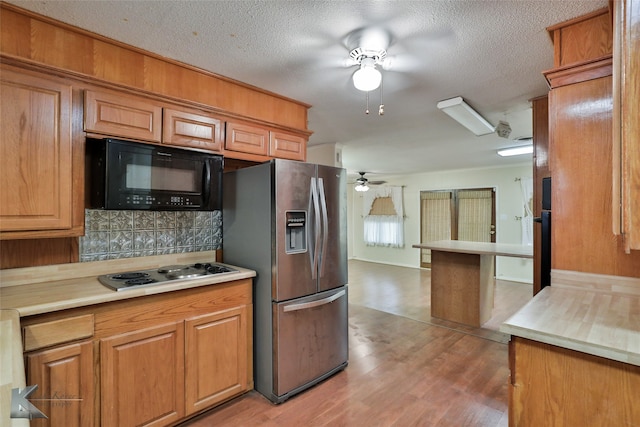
[(362, 183)]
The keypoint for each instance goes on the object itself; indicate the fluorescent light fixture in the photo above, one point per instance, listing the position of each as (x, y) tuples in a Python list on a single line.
[(516, 151), (462, 113), (362, 187)]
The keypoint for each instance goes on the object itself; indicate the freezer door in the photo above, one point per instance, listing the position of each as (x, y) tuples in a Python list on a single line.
[(332, 183), (294, 275), (311, 339)]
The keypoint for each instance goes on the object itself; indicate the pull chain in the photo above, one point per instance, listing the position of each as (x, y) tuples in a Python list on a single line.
[(381, 107), (366, 111)]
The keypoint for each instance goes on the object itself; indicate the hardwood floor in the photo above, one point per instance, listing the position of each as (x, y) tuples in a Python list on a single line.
[(405, 367)]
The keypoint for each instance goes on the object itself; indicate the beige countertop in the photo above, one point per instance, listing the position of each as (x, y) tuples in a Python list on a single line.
[(594, 314), (480, 248), (38, 290)]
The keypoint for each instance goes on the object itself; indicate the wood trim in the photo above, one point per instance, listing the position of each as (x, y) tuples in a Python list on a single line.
[(31, 41), (81, 31), (585, 71), (576, 20)]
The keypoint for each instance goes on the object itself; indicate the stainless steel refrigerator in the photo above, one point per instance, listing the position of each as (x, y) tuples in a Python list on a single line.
[(287, 221)]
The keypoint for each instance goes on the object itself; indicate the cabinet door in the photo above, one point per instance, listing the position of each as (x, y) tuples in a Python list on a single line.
[(246, 138), (115, 114), (35, 148), (142, 377), (216, 357), (626, 125), (191, 130), (64, 377), (287, 146)]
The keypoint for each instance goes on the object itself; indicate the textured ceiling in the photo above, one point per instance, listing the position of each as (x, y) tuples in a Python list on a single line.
[(491, 53)]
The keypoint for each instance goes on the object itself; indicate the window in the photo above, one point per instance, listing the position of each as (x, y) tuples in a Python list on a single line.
[(384, 218)]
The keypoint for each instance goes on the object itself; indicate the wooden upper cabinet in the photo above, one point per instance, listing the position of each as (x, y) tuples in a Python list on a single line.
[(287, 146), (116, 114), (192, 129), (582, 39), (247, 138), (36, 153), (626, 122)]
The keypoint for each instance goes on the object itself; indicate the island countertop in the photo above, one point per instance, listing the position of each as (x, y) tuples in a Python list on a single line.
[(600, 317), (480, 248)]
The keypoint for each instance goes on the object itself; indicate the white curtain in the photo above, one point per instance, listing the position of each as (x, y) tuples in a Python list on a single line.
[(526, 187), (384, 230)]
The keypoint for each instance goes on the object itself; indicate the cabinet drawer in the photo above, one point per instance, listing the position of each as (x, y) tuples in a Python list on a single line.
[(57, 332)]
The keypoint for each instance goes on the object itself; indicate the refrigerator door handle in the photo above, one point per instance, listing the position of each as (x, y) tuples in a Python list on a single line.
[(325, 225), (311, 304), (316, 230)]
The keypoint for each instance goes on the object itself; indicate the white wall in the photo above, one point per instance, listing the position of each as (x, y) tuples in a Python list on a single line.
[(509, 205)]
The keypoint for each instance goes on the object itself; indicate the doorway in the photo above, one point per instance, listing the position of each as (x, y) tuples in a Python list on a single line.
[(465, 214)]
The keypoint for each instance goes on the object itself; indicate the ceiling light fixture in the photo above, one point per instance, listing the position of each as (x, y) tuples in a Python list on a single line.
[(368, 77), (516, 151), (361, 187), (461, 112)]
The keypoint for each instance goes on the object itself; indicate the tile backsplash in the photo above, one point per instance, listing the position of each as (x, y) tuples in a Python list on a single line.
[(126, 234)]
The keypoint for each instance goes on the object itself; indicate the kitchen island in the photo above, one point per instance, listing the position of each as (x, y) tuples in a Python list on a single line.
[(462, 278), (101, 350)]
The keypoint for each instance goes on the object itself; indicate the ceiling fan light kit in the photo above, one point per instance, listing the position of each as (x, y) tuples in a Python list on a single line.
[(361, 187), (461, 112), (368, 77)]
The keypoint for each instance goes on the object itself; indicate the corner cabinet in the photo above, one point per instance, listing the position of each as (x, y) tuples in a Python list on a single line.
[(36, 151), (147, 361)]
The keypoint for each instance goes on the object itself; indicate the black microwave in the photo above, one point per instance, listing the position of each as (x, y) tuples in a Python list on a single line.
[(126, 175)]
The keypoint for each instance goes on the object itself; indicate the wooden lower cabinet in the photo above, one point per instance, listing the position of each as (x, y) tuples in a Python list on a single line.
[(65, 378), (214, 373), (149, 361), (142, 377), (554, 386)]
